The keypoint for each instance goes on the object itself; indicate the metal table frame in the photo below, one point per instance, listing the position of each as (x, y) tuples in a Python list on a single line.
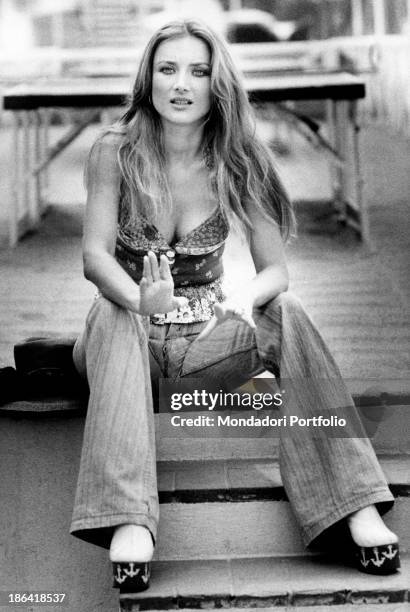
[(31, 105)]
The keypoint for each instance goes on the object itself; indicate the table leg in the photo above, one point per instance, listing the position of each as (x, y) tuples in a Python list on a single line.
[(341, 128), (29, 200), (33, 179), (332, 137), (347, 178), (44, 144), (358, 181), (14, 208)]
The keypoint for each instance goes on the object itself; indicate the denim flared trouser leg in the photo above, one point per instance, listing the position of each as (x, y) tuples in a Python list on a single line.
[(326, 478)]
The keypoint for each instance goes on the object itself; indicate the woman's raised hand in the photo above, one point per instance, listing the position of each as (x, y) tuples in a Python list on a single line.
[(157, 287), (237, 307)]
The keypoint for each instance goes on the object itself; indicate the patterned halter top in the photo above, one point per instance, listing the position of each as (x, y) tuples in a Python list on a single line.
[(195, 260)]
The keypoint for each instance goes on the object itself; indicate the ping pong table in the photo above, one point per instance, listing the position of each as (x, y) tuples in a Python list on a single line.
[(32, 103)]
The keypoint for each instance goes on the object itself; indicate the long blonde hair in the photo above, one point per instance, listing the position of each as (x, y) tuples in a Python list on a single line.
[(242, 167)]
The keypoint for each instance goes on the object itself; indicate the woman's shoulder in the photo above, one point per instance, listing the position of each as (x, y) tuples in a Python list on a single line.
[(102, 164), (105, 149), (110, 139)]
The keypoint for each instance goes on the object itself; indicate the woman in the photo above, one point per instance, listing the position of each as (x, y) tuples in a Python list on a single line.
[(164, 186)]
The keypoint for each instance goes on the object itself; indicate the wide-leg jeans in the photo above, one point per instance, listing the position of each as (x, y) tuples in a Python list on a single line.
[(326, 478)]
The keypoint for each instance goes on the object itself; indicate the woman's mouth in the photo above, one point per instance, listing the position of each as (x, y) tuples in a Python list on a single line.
[(181, 101)]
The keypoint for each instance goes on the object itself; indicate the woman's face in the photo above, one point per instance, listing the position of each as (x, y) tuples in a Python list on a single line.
[(181, 83)]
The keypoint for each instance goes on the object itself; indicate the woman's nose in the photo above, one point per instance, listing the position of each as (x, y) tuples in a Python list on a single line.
[(181, 82)]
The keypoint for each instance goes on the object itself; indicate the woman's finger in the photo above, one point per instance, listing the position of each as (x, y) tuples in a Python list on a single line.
[(146, 271), (249, 320), (243, 315), (208, 329), (154, 266), (164, 268)]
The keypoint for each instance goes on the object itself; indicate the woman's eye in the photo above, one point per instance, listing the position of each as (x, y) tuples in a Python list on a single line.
[(200, 72)]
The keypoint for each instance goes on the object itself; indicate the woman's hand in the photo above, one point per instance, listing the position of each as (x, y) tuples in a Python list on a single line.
[(157, 287), (238, 306)]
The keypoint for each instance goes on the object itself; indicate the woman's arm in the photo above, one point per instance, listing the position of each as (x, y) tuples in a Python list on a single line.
[(156, 290), (272, 278), (267, 250), (100, 226)]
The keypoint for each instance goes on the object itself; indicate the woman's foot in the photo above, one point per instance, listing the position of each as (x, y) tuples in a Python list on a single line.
[(131, 551), (376, 547), (131, 543), (368, 529)]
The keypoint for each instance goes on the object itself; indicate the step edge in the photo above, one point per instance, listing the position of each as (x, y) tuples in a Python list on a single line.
[(298, 598), (247, 495), (64, 405), (225, 597)]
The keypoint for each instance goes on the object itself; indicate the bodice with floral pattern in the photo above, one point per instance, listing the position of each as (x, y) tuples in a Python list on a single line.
[(195, 260)]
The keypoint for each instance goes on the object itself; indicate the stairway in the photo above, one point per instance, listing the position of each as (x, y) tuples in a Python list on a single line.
[(227, 535), (228, 538), (111, 23)]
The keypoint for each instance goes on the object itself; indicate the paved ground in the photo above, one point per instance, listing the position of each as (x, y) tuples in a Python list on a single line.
[(359, 300)]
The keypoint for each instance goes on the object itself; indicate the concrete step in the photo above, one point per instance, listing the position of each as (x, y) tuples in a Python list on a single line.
[(238, 479), (386, 417), (239, 508), (240, 529), (266, 583)]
